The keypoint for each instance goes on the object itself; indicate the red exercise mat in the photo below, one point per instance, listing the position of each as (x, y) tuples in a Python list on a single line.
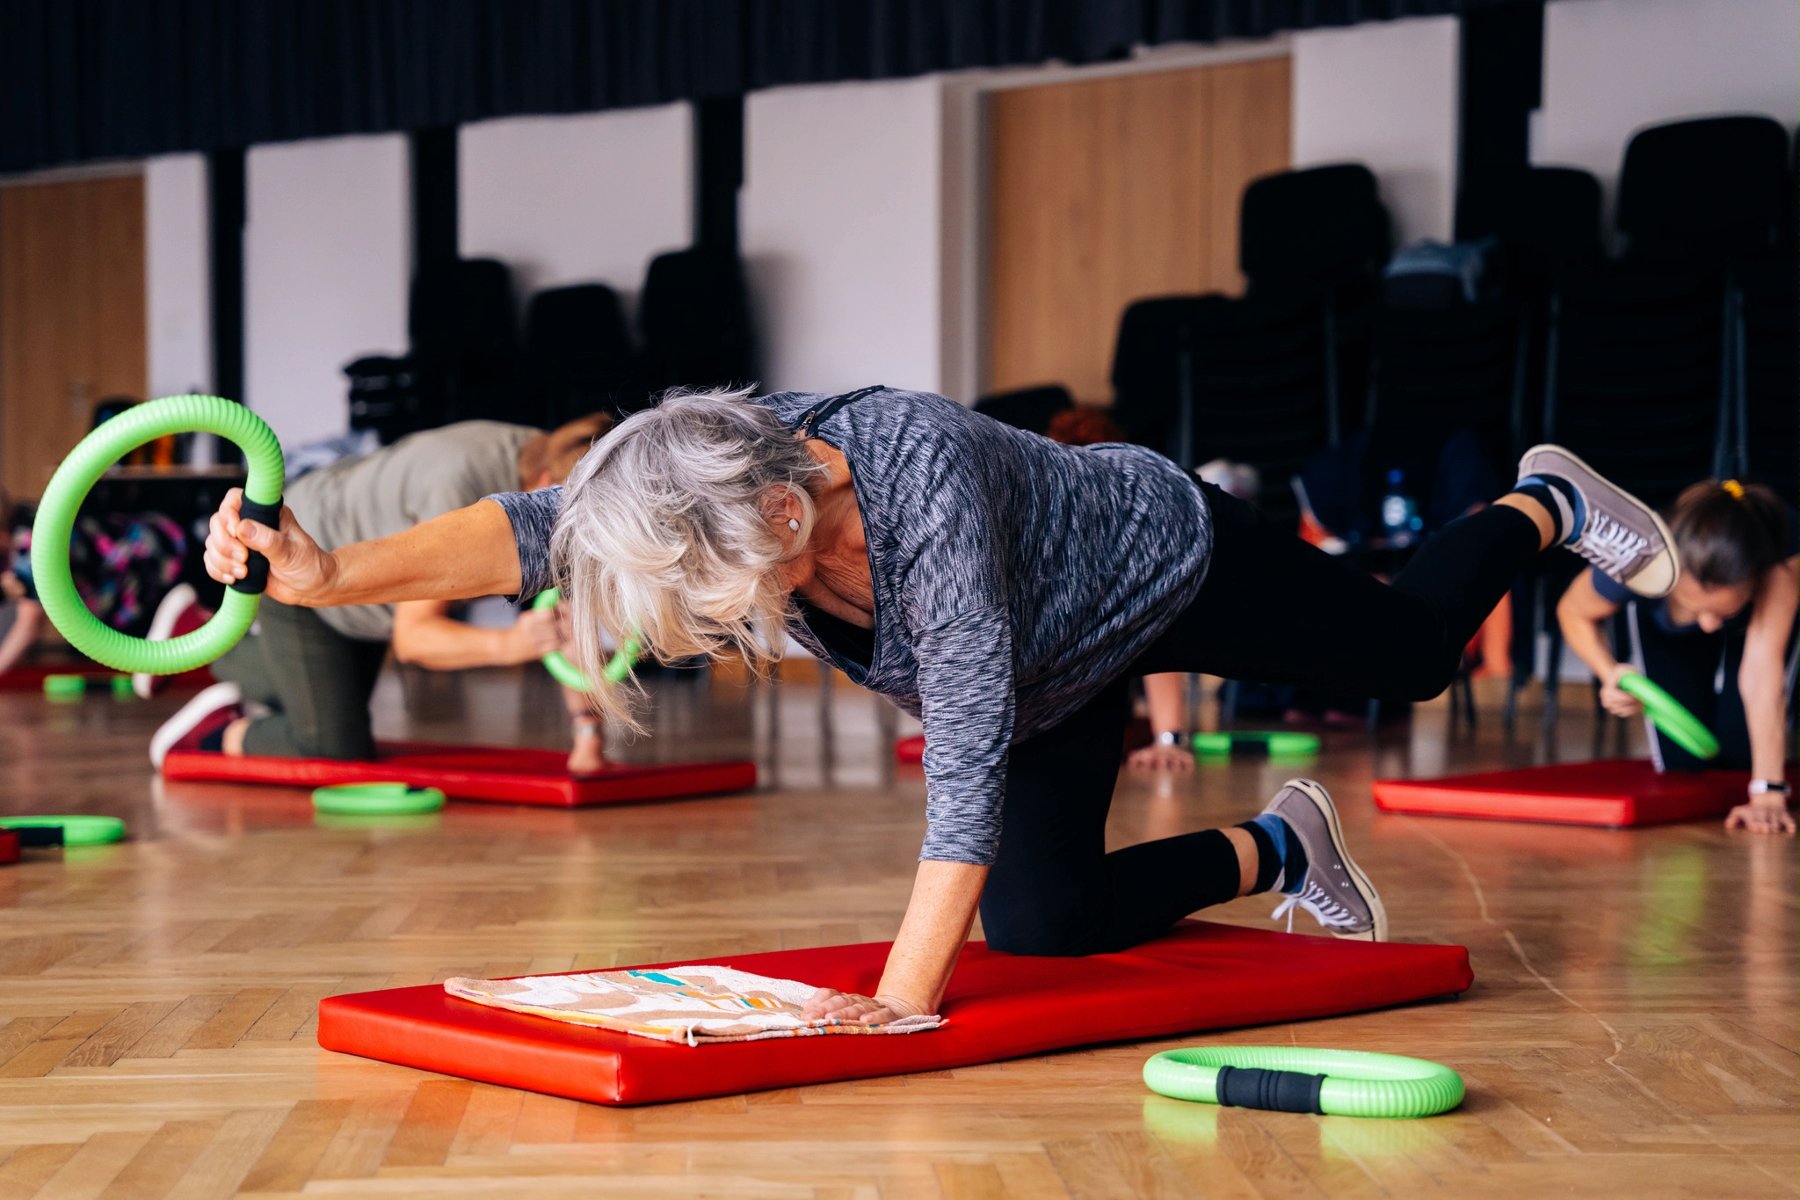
[(29, 677), (503, 774), (1612, 792), (9, 846), (910, 750), (1199, 977)]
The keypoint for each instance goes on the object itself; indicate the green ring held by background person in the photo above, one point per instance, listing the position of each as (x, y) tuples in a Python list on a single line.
[(566, 673), (376, 800), (1279, 743), (1668, 715), (69, 830), (82, 469), (1342, 1083)]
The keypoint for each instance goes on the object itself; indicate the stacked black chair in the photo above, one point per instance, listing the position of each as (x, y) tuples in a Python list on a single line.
[(579, 356), (464, 338), (1546, 222), (1031, 408), (1273, 377), (462, 361), (694, 322)]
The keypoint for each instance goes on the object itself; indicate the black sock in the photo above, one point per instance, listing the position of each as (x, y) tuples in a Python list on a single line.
[(215, 740), (1560, 500), (1286, 864)]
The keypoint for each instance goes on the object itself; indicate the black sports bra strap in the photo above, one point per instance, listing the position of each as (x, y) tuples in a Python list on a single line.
[(810, 422)]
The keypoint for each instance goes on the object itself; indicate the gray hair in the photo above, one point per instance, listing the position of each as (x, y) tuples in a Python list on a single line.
[(664, 534)]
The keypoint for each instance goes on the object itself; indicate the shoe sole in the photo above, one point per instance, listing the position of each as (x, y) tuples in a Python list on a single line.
[(1322, 801), (1662, 529), (162, 624), (190, 715)]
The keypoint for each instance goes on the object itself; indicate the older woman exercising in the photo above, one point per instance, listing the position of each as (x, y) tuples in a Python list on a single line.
[(1004, 588)]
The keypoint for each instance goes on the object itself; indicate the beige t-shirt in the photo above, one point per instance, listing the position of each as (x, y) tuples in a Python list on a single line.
[(421, 476)]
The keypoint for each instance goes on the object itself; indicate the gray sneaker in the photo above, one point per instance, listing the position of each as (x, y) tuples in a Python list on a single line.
[(1334, 889), (1619, 533)]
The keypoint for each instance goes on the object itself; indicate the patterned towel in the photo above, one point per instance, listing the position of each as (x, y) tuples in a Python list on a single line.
[(699, 1005)]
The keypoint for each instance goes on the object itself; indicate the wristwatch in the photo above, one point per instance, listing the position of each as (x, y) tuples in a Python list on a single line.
[(1767, 787), (1172, 737)]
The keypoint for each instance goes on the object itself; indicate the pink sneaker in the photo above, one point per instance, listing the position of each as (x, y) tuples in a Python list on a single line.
[(179, 613), (207, 713)]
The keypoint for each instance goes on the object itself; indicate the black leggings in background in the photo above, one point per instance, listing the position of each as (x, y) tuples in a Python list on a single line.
[(1688, 664), (1273, 609)]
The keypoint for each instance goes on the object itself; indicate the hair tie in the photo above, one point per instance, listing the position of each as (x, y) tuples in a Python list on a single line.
[(1733, 488)]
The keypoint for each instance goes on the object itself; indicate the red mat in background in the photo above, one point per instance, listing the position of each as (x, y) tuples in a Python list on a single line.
[(1612, 792), (9, 846), (502, 774), (910, 751), (29, 677), (999, 1006)]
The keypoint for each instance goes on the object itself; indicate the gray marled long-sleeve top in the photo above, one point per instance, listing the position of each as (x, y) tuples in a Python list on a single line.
[(1013, 579)]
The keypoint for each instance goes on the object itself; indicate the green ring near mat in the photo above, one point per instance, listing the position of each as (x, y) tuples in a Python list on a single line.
[(63, 686), (566, 673), (1357, 1083), (77, 830), (376, 800), (1667, 714), (1276, 743), (77, 475)]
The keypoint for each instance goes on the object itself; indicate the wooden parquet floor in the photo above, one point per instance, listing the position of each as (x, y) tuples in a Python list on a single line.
[(1632, 1031)]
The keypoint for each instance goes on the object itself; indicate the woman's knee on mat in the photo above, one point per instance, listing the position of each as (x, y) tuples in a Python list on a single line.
[(1040, 925)]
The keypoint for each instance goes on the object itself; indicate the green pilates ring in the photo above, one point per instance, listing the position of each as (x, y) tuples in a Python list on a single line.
[(77, 475), (1275, 744), (62, 687), (66, 830), (376, 800), (1343, 1083), (566, 672), (1668, 715)]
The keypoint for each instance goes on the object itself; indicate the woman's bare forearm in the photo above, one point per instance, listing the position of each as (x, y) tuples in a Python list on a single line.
[(463, 554), (937, 921)]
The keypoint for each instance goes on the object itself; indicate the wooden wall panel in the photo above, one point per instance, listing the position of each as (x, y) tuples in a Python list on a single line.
[(72, 316), (1103, 191)]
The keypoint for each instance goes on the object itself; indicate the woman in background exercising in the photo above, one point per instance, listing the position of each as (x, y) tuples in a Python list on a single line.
[(1720, 643)]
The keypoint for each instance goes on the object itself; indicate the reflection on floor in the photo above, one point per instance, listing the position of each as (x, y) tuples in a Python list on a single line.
[(1631, 1031)]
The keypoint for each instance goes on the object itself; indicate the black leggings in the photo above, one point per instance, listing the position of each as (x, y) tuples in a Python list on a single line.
[(1686, 664), (1273, 609)]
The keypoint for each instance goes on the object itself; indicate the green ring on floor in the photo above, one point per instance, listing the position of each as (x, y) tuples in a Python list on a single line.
[(1670, 716), (77, 829), (1357, 1083), (376, 800), (566, 673), (1279, 743), (63, 686), (76, 477)]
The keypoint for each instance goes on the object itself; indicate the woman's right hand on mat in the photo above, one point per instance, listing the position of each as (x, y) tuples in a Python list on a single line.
[(1615, 701), (299, 572), (852, 1009)]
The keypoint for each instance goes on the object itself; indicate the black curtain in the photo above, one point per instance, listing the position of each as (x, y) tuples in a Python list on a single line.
[(92, 79)]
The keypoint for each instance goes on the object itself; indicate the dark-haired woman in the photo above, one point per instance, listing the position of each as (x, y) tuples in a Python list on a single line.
[(1720, 643)]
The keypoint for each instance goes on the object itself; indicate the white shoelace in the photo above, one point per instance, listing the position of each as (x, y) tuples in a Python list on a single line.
[(1609, 545), (1315, 900)]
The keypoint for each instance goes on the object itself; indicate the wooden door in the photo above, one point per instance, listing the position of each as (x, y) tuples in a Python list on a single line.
[(1103, 191), (72, 323)]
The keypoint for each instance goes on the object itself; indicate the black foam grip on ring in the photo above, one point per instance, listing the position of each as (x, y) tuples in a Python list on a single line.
[(256, 567), (1278, 1091)]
